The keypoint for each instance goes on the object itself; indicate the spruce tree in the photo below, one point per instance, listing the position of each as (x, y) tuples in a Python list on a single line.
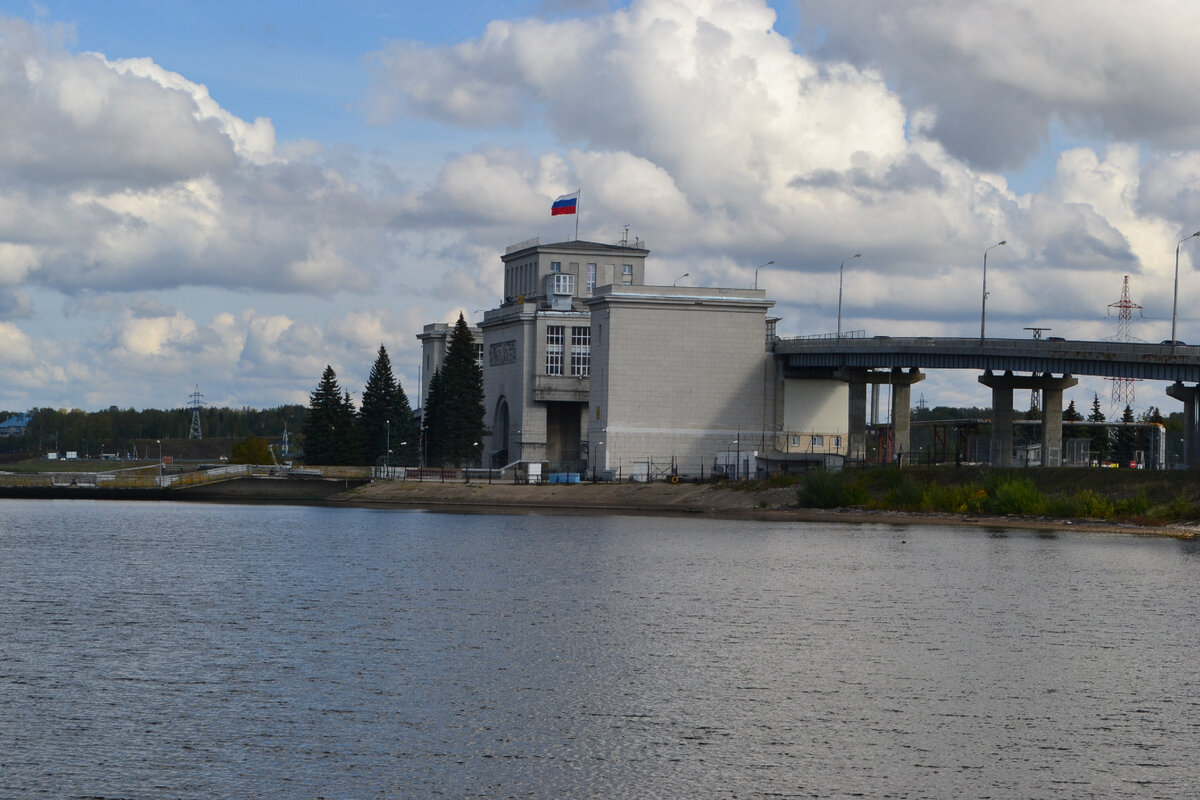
[(378, 397), (1126, 440), (454, 412), (348, 449), (321, 425), (434, 422), (1099, 433), (406, 430), (463, 379)]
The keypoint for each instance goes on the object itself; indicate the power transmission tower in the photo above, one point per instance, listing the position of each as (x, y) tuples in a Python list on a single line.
[(197, 402), (1122, 388)]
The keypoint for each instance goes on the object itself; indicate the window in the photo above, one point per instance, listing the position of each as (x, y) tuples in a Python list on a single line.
[(556, 266), (837, 443), (581, 351), (627, 274), (591, 278), (564, 284), (795, 440), (554, 349), (479, 353), (818, 441)]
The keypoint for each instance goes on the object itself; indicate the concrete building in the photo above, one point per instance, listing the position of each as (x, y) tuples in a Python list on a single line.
[(681, 379), (588, 368), (537, 347)]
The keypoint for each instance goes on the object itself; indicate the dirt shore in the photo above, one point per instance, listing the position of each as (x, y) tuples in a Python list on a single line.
[(715, 500)]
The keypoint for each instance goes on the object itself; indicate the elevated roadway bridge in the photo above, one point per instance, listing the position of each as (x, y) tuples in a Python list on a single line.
[(898, 361)]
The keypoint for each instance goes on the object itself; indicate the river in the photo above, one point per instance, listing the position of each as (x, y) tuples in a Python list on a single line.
[(164, 650)]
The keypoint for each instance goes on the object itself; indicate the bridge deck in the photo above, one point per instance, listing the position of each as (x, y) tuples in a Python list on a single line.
[(1055, 356)]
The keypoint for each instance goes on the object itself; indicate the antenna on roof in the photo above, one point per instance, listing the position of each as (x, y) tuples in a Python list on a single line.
[(625, 236)]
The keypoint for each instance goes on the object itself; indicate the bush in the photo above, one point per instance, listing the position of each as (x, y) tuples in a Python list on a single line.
[(1016, 496), (1178, 508), (820, 489), (952, 499), (1086, 504), (905, 495)]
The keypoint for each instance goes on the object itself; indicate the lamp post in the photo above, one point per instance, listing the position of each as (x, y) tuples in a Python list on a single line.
[(841, 270), (1175, 302), (387, 456), (983, 307), (756, 269), (681, 277), (160, 461)]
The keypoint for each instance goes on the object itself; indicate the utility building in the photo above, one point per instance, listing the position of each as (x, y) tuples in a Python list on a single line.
[(537, 347), (591, 370)]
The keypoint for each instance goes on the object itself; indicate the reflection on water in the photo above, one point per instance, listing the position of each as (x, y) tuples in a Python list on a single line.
[(163, 650)]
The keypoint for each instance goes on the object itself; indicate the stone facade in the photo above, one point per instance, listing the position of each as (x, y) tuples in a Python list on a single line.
[(680, 376)]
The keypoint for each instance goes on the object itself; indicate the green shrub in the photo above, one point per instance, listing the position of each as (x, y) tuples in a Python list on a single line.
[(904, 495), (954, 499), (1087, 503), (1136, 506), (1016, 496), (820, 489), (1178, 508)]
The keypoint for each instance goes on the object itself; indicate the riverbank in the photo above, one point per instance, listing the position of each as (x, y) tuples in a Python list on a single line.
[(709, 499)]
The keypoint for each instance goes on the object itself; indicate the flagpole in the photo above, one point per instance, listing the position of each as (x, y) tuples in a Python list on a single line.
[(578, 192)]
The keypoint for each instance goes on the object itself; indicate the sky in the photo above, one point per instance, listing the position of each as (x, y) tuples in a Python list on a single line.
[(229, 196)]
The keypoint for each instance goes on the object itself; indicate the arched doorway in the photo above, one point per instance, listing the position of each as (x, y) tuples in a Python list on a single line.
[(499, 453)]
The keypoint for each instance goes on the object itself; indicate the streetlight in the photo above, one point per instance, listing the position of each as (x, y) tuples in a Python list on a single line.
[(756, 269), (387, 458), (983, 307), (681, 277), (841, 269), (1175, 302), (160, 461)]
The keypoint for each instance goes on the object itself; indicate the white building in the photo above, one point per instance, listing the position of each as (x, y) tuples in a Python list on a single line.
[(588, 368)]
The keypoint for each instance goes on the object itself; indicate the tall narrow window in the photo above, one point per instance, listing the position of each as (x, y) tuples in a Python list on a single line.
[(591, 278), (581, 351), (627, 274), (479, 353), (554, 349)]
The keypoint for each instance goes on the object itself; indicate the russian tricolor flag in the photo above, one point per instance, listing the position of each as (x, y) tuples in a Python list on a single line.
[(567, 204)]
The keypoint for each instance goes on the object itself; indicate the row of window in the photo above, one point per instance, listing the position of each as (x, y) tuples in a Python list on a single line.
[(581, 350), (816, 441), (626, 275)]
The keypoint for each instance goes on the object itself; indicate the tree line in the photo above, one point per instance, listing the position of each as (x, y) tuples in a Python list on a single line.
[(121, 430), (385, 430)]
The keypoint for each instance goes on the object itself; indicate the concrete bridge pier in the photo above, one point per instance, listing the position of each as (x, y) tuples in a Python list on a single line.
[(1002, 387), (901, 383), (856, 381), (1190, 395)]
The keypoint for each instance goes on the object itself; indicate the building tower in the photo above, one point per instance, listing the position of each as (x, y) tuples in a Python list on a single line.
[(197, 402), (1122, 388)]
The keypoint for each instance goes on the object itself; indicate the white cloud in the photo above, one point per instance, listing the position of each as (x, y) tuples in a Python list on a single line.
[(998, 72), (121, 175), (123, 184)]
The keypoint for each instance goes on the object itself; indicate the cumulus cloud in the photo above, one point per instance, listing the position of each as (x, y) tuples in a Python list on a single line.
[(121, 175), (708, 131), (716, 139), (997, 73)]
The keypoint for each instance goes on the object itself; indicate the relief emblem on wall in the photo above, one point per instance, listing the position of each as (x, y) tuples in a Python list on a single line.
[(503, 353)]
